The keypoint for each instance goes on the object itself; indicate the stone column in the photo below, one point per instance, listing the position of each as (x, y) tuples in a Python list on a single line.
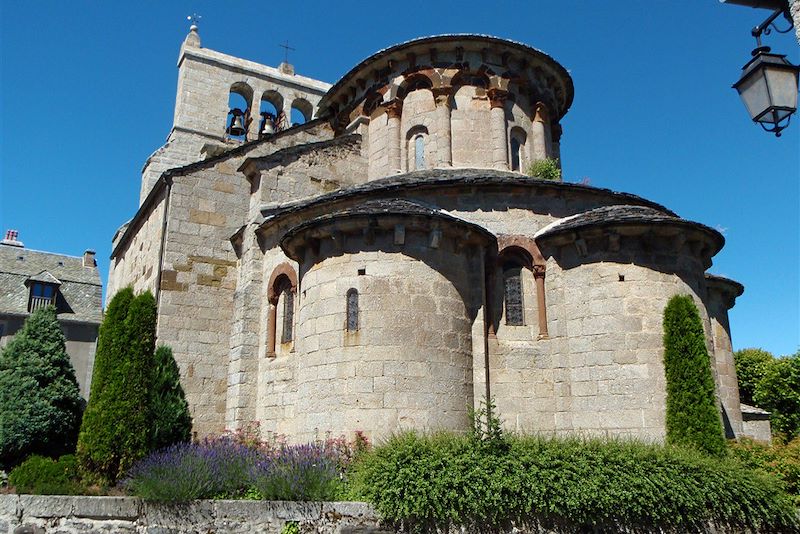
[(394, 110), (540, 134), (271, 328), (255, 110), (287, 110), (538, 275), (443, 126), (497, 99)]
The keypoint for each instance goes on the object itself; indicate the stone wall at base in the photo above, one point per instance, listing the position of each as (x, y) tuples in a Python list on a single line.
[(39, 514), (43, 514)]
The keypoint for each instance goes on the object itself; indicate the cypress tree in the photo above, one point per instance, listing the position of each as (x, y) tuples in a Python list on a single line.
[(115, 431), (692, 416), (171, 420), (40, 403)]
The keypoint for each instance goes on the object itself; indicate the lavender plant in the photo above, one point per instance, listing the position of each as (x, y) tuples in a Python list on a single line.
[(298, 473), (187, 471), (236, 465)]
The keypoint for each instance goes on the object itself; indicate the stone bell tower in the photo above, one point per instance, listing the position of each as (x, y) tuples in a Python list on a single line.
[(206, 80)]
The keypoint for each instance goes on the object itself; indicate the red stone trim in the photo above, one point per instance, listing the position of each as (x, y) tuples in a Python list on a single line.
[(284, 269)]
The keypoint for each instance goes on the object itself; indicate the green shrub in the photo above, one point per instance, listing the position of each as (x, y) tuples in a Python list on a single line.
[(45, 476), (780, 460), (546, 169), (171, 420), (444, 479), (116, 427), (778, 391), (692, 416), (40, 403), (751, 364)]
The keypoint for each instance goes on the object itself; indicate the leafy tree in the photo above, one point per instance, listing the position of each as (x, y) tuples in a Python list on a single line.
[(751, 364), (171, 420), (778, 391), (116, 426), (40, 403), (692, 416)]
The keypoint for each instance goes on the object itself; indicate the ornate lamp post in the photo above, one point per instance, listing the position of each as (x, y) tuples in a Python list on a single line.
[(768, 85)]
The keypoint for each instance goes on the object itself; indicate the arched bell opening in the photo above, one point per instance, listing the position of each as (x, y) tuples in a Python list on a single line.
[(238, 120)]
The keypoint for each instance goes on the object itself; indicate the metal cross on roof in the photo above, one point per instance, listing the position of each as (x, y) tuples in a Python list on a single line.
[(286, 49)]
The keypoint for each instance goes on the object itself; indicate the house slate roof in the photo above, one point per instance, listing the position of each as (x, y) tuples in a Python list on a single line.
[(45, 277), (80, 290)]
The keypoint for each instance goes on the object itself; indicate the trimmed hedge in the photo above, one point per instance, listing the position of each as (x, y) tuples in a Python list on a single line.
[(429, 482), (692, 416), (116, 426), (171, 420), (44, 476)]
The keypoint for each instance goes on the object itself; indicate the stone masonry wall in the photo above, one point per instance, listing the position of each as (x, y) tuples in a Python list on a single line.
[(724, 365), (605, 312), (198, 280), (289, 177), (136, 264), (409, 363), (38, 514)]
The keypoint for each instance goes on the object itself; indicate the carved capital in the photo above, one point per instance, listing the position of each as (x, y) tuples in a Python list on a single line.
[(539, 270), (541, 114), (394, 108), (497, 97), (442, 95)]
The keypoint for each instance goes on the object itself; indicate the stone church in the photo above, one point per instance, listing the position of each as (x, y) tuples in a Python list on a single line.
[(372, 256)]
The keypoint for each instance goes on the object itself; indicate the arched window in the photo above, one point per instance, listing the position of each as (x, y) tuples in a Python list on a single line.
[(287, 296), (514, 154), (281, 296), (419, 152), (352, 310), (518, 138), (512, 294)]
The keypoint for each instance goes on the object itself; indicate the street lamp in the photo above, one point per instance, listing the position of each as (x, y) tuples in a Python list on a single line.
[(768, 88), (768, 85)]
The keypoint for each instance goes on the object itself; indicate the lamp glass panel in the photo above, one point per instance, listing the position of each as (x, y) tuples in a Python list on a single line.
[(782, 87), (755, 96)]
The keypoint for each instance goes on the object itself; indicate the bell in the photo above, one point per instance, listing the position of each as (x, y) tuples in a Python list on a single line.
[(236, 128), (267, 125)]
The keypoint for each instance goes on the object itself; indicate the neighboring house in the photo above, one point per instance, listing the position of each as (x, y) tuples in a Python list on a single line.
[(388, 263), (30, 279)]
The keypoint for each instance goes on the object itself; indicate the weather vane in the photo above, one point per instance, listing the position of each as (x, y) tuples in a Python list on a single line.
[(194, 18), (286, 49)]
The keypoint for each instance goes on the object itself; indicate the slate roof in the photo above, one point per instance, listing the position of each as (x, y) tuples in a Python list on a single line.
[(379, 207), (441, 178), (622, 215), (390, 206), (80, 289), (736, 287)]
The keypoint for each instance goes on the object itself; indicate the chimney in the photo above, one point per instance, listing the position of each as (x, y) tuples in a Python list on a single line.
[(88, 258), (11, 239)]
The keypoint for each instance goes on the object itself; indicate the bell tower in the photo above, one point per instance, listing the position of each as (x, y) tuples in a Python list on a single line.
[(205, 124)]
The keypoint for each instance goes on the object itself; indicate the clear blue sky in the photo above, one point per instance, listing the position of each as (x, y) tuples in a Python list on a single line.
[(88, 90)]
